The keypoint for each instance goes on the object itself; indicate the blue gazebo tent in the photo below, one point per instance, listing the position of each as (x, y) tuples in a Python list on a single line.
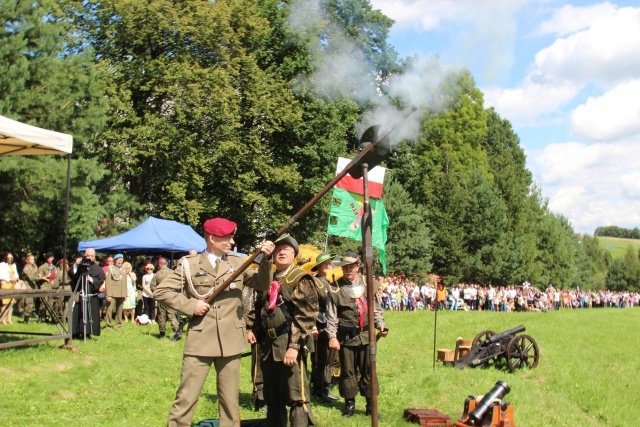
[(153, 236)]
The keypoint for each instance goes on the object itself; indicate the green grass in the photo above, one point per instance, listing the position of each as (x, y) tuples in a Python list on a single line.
[(618, 246), (587, 376)]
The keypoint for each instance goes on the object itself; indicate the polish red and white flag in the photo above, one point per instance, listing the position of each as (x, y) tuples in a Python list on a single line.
[(375, 176)]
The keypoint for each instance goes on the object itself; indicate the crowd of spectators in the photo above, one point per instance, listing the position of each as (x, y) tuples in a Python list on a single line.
[(25, 271), (401, 294), (397, 293)]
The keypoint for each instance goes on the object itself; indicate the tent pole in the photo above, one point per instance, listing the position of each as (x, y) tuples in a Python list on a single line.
[(66, 232)]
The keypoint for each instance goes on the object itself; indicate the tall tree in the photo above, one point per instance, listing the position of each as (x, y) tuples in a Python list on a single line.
[(193, 113), (408, 237), (49, 79), (484, 221)]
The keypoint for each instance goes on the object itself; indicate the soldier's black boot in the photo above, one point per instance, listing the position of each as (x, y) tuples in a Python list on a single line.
[(367, 410), (26, 319), (349, 407), (327, 394)]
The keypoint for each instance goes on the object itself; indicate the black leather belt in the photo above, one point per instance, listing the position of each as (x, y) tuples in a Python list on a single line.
[(274, 333)]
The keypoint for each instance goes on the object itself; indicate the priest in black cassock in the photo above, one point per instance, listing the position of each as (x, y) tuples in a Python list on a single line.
[(88, 279)]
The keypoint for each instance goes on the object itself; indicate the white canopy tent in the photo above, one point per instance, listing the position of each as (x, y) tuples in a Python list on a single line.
[(19, 139)]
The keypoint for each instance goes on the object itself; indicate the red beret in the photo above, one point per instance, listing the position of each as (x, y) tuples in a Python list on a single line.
[(219, 227)]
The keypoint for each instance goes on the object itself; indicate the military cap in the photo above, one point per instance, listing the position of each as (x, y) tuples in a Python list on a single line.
[(219, 227)]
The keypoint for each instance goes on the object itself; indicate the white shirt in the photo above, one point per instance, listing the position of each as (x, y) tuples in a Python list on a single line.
[(212, 258)]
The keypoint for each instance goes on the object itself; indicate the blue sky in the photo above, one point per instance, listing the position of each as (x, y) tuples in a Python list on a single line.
[(565, 74)]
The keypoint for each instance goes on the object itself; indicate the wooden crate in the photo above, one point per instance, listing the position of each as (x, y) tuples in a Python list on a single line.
[(446, 355), (427, 417)]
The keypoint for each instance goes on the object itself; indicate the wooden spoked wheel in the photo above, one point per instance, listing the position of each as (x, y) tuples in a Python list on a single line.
[(522, 352), (482, 337)]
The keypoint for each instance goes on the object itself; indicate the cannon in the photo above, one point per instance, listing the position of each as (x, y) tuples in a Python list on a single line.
[(519, 350), (488, 410)]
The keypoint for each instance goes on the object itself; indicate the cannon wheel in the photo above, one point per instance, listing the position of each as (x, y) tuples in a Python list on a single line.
[(522, 352), (482, 337)]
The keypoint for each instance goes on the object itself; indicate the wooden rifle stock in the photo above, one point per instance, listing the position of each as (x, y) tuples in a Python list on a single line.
[(306, 207)]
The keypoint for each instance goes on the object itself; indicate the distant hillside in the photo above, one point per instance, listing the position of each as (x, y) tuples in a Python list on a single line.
[(617, 246)]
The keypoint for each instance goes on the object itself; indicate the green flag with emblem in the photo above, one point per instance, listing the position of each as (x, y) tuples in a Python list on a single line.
[(345, 220)]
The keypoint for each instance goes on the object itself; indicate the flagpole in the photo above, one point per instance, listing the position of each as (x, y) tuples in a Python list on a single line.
[(368, 259)]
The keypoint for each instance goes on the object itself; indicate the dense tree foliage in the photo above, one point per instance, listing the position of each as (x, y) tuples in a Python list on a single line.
[(185, 109), (615, 231), (47, 79)]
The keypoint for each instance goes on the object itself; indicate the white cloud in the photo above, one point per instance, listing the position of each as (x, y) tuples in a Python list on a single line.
[(614, 115), (527, 104), (569, 19), (592, 185), (608, 51), (422, 15), (631, 185)]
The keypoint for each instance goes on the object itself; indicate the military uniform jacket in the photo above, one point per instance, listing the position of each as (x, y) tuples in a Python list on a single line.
[(160, 275), (221, 331), (30, 275), (290, 324), (115, 282), (343, 316), (44, 272), (324, 288)]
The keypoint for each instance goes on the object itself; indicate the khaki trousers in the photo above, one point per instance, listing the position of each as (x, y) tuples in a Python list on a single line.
[(116, 303), (194, 373)]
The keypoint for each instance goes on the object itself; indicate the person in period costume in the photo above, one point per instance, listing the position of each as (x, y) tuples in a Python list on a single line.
[(348, 330), (30, 277), (88, 281), (287, 314), (249, 297), (163, 312), (216, 333), (323, 358), (116, 288)]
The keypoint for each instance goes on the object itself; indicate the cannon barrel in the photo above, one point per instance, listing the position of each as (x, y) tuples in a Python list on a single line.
[(500, 390), (506, 334)]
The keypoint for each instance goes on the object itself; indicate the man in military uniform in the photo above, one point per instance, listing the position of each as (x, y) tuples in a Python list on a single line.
[(163, 312), (323, 357), (30, 276), (48, 277), (59, 302), (287, 315), (348, 330), (116, 288), (216, 333)]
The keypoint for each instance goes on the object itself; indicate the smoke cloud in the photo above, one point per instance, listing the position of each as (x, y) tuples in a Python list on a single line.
[(342, 70)]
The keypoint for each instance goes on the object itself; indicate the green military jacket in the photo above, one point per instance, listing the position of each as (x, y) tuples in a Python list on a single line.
[(325, 288), (44, 273), (221, 331), (349, 332), (30, 276), (159, 276), (115, 282), (290, 324)]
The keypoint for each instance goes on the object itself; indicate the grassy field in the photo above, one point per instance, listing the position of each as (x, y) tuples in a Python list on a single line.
[(618, 246), (587, 376)]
